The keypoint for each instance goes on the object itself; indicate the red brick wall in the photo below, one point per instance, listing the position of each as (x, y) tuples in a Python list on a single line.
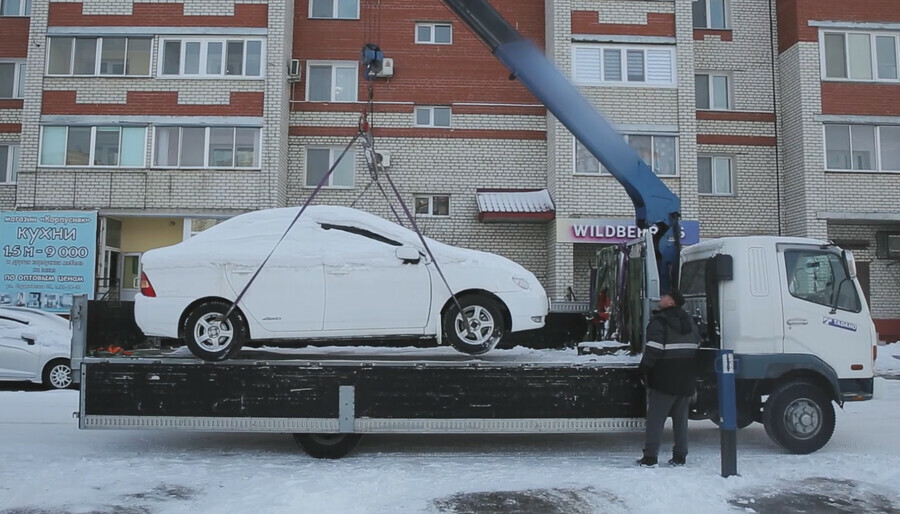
[(718, 139), (153, 103), (658, 24), (860, 98), (736, 116), (419, 132), (425, 74), (14, 37), (11, 103), (13, 128), (152, 15), (794, 16)]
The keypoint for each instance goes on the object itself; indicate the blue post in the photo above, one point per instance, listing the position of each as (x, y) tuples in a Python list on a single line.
[(727, 411)]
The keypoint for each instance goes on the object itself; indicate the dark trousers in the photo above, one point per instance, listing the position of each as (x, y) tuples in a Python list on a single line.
[(659, 407)]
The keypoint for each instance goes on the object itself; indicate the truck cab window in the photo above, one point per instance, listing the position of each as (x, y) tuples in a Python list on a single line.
[(817, 276), (693, 278)]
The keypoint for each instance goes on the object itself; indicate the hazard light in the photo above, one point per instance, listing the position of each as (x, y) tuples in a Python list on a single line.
[(146, 287)]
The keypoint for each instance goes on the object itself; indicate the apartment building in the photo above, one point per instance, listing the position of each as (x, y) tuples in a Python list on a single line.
[(764, 116)]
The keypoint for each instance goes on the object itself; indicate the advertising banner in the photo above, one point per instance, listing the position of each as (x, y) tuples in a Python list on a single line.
[(593, 230), (48, 256)]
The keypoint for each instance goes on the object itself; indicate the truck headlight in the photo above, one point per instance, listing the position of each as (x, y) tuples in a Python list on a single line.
[(521, 282)]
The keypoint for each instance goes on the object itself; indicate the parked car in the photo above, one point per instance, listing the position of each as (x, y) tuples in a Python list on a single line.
[(35, 346), (339, 273)]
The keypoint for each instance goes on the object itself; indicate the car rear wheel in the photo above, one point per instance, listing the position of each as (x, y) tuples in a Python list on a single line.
[(57, 374), (212, 338), (484, 329), (327, 446)]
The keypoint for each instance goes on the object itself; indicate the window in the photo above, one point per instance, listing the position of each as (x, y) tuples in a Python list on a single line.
[(714, 175), (692, 280), (713, 91), (331, 82), (206, 147), (12, 79), (433, 117), (15, 7), (862, 147), (710, 14), (203, 57), (432, 205), (623, 65), (106, 56), (820, 277), (338, 9), (193, 226), (105, 146), (659, 152), (9, 163), (434, 33), (860, 56), (320, 160)]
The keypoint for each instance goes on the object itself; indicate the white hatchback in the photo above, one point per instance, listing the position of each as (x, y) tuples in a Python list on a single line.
[(35, 346), (339, 273)]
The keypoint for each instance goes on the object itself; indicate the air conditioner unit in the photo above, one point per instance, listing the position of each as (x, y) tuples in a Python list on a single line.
[(383, 157), (387, 68), (294, 70)]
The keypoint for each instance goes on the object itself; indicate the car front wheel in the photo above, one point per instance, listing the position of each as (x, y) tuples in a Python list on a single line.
[(479, 331), (212, 338), (57, 374)]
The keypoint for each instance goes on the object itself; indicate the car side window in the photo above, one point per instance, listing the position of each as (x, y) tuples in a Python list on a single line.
[(820, 277), (361, 232)]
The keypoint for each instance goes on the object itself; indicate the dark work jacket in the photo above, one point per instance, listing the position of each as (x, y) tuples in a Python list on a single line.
[(669, 360)]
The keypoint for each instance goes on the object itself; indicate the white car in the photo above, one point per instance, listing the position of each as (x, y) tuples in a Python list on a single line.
[(339, 273), (35, 346)]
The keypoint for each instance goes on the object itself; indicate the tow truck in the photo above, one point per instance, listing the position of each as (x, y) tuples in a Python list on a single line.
[(791, 310)]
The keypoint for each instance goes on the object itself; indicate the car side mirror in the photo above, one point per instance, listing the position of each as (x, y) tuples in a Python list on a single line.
[(408, 254), (29, 338)]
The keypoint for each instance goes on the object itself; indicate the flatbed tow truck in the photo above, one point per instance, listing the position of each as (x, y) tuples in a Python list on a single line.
[(791, 310)]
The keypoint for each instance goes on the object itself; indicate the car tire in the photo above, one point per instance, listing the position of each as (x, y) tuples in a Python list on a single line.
[(327, 446), (57, 374), (799, 416), (486, 320), (211, 339)]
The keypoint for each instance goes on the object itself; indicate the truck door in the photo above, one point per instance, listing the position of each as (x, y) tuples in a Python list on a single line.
[(823, 313)]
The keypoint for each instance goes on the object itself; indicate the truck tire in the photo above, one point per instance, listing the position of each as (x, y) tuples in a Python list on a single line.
[(213, 340), (327, 446), (57, 374), (799, 416), (485, 320)]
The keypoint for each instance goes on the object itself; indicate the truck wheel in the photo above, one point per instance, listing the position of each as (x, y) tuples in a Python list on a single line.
[(485, 321), (327, 446), (57, 374), (211, 338), (799, 416)]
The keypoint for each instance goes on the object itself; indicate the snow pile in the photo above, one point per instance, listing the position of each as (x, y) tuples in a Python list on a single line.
[(888, 362)]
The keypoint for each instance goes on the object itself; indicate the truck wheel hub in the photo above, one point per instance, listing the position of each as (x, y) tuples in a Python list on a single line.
[(803, 418)]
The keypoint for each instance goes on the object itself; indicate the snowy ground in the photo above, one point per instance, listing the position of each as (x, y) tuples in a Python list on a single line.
[(48, 466)]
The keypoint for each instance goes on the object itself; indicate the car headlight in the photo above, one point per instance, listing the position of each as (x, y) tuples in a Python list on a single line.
[(521, 282)]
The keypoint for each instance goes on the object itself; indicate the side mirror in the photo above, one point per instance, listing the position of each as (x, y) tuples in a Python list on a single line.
[(408, 254), (851, 263), (28, 337)]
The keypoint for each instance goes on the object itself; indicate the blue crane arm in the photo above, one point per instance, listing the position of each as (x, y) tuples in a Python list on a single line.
[(655, 205)]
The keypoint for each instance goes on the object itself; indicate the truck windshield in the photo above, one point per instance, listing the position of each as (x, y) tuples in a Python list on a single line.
[(816, 276)]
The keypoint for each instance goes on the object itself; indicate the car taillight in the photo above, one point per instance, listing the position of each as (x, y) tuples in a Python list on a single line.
[(146, 286)]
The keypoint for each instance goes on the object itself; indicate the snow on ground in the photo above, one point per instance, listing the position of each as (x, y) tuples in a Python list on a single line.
[(888, 362), (47, 465)]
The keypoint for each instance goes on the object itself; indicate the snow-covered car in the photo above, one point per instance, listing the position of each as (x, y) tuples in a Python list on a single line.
[(339, 273), (35, 346)]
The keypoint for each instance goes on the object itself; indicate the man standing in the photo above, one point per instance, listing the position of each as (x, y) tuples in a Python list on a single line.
[(668, 369)]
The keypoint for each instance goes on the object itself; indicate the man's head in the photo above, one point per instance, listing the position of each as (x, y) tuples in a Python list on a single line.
[(671, 299)]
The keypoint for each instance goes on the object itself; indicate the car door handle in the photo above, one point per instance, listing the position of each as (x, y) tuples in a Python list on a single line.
[(797, 321), (242, 271), (338, 271)]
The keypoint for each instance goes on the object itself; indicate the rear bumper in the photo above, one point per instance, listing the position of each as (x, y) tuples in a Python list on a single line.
[(527, 310), (857, 389), (159, 316)]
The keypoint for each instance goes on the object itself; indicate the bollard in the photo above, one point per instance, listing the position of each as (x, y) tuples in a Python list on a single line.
[(727, 411)]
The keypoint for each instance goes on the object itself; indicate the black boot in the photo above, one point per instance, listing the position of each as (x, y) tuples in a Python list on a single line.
[(677, 460), (647, 461)]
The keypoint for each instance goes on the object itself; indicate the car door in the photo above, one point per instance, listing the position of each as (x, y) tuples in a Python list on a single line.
[(369, 289), (820, 319), (19, 359)]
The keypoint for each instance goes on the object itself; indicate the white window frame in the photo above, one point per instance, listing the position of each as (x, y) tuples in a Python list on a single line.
[(726, 6), (204, 44), (712, 178), (18, 73), (431, 198), (623, 65), (93, 148), (334, 12), (335, 151), (24, 9), (602, 172), (878, 164), (13, 156), (729, 102), (98, 53), (430, 109), (873, 55), (432, 26), (334, 66), (206, 133)]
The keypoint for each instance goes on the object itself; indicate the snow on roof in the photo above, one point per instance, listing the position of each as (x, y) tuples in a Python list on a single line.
[(514, 201)]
